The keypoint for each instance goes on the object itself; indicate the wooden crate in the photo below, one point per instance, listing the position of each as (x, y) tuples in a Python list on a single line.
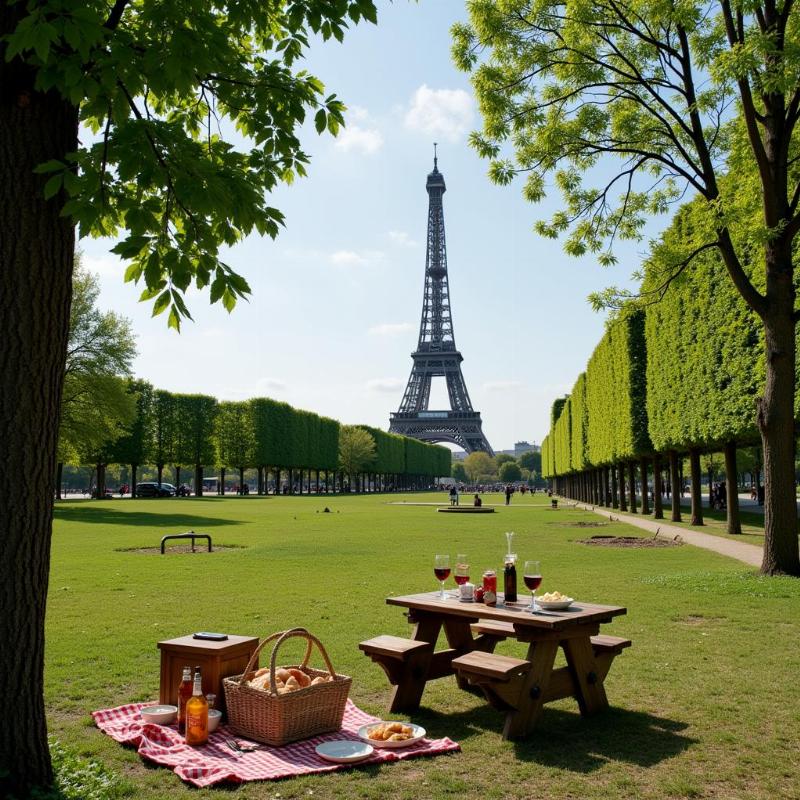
[(217, 660)]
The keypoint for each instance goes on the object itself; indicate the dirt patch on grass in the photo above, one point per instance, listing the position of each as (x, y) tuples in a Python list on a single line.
[(629, 541), (582, 524), (178, 549)]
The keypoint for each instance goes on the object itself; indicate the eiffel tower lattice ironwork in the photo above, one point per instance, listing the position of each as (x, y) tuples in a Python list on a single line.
[(436, 354)]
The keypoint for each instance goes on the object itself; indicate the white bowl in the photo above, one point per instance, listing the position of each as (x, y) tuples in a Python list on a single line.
[(214, 716), (160, 714), (554, 605)]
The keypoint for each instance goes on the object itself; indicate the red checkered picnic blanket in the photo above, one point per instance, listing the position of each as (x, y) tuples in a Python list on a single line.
[(216, 762)]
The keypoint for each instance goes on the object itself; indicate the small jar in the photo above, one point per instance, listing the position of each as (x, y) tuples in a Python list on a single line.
[(466, 591)]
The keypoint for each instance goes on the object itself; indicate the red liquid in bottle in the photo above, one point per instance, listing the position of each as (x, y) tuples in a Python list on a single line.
[(461, 579), (441, 573), (490, 581), (533, 582)]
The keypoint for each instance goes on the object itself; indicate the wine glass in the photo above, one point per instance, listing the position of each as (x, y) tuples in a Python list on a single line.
[(441, 569), (462, 570), (532, 575)]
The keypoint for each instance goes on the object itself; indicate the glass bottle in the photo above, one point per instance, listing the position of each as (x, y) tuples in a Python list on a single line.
[(184, 693), (510, 571), (197, 714), (510, 578)]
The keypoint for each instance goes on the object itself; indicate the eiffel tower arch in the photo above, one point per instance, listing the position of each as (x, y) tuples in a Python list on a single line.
[(436, 354)]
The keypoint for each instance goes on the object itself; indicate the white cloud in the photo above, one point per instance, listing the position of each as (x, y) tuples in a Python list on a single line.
[(263, 387), (401, 238), (391, 329), (385, 385), (105, 266), (502, 386), (440, 112), (353, 258), (365, 138)]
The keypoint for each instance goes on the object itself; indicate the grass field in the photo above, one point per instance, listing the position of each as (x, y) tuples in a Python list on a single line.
[(705, 703)]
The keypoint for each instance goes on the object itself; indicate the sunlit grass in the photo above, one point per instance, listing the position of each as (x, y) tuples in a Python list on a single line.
[(704, 703)]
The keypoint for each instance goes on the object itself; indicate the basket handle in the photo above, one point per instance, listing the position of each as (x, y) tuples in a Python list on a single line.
[(311, 639), (254, 657)]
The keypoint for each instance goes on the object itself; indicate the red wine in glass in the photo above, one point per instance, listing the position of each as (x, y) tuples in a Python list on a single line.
[(532, 575), (442, 573), (533, 582), (461, 579), (441, 569)]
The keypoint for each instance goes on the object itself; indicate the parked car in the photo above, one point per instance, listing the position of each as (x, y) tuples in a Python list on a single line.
[(152, 489)]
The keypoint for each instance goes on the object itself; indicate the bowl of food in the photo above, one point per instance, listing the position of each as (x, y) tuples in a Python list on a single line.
[(160, 714), (214, 716), (554, 601), (391, 734)]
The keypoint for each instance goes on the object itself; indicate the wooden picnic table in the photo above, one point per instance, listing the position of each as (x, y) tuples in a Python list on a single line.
[(520, 687)]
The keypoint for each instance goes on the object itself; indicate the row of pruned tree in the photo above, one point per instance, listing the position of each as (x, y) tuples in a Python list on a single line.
[(195, 431), (677, 374)]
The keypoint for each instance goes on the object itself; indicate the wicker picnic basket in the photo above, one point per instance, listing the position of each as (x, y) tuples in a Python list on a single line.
[(277, 719)]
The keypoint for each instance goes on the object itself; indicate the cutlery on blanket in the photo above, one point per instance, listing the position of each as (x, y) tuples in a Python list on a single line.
[(239, 748)]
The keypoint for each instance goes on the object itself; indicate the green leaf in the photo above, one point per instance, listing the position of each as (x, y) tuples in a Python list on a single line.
[(161, 303), (53, 186), (320, 120)]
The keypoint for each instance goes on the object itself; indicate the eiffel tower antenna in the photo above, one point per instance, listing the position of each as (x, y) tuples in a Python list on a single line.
[(436, 354)]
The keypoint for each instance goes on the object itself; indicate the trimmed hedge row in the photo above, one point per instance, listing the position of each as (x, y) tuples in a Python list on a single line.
[(194, 429)]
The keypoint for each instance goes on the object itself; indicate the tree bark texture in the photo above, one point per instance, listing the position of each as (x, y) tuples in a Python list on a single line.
[(697, 494), (37, 248), (221, 487), (674, 477), (776, 424), (658, 489), (623, 500), (198, 480), (134, 469), (732, 489), (101, 481), (241, 480)]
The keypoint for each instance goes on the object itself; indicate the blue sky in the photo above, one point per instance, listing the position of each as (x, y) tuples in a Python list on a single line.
[(337, 297)]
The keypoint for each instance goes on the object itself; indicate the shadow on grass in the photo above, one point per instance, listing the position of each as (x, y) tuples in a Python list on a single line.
[(102, 515), (566, 740)]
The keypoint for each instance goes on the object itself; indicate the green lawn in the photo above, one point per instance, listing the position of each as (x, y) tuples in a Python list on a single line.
[(705, 703)]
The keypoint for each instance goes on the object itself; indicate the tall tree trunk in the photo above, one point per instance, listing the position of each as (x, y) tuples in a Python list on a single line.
[(160, 472), (134, 470), (614, 495), (710, 486), (697, 492), (241, 480), (101, 481), (632, 485), (776, 421), (673, 479), (177, 476), (221, 487), (623, 500), (645, 493), (658, 488), (198, 480), (37, 248), (732, 489), (59, 478)]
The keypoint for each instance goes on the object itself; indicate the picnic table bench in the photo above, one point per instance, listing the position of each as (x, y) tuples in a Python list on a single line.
[(517, 686)]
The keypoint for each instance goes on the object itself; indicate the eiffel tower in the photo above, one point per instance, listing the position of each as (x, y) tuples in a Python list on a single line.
[(436, 354)]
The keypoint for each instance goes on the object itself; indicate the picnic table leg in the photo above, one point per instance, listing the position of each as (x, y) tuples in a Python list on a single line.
[(459, 637), (520, 721), (588, 679), (407, 694)]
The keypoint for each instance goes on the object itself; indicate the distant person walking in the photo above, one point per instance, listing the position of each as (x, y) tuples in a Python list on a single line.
[(453, 495), (509, 491)]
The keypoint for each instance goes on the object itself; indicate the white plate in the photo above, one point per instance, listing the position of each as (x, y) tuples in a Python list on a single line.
[(342, 751), (417, 733), (555, 605)]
